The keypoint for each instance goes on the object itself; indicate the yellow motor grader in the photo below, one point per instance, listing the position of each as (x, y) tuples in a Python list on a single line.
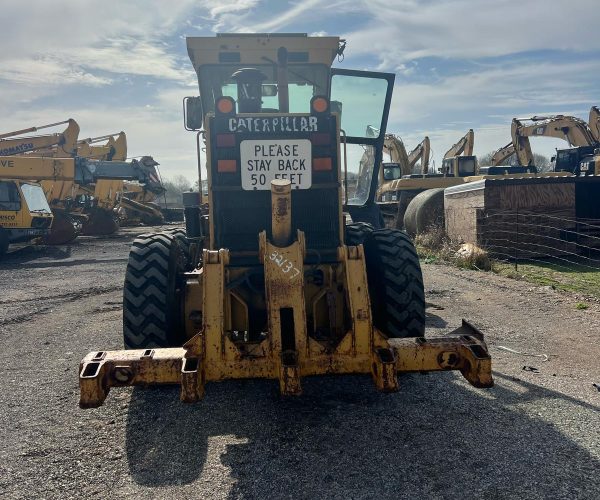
[(277, 282)]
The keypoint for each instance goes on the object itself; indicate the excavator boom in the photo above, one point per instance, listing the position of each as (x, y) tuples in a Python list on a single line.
[(463, 147), (502, 154), (64, 142), (421, 152), (573, 130), (594, 122), (394, 146)]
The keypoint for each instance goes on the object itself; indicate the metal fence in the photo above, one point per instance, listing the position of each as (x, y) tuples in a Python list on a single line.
[(544, 238), (551, 249)]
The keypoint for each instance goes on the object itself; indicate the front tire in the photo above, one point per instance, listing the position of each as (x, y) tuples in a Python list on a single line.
[(153, 293), (395, 284)]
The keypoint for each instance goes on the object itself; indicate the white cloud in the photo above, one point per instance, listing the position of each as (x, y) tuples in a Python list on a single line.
[(400, 31), (47, 71)]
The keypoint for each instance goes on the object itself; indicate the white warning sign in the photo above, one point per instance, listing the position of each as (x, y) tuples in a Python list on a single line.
[(264, 160)]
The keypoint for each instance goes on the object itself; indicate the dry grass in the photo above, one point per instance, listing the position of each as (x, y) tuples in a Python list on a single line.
[(434, 246)]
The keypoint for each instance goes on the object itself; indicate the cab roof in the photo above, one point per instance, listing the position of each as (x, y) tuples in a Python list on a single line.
[(261, 48)]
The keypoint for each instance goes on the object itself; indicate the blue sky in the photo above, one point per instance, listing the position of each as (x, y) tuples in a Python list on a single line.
[(459, 64)]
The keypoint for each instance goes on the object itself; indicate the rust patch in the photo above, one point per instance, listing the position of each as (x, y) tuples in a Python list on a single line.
[(282, 206)]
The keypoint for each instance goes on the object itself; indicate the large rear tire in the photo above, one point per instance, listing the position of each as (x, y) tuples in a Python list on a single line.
[(395, 284), (425, 212), (184, 244), (153, 293)]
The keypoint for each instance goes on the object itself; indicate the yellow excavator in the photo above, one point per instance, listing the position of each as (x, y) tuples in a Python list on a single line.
[(273, 284), (459, 160), (581, 159), (62, 144), (70, 207), (501, 154), (401, 165), (128, 202), (458, 164)]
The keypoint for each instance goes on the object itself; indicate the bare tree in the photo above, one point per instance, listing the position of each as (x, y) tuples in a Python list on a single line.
[(540, 161), (175, 186)]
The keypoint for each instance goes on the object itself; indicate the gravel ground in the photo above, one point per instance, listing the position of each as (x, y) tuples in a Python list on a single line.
[(534, 435)]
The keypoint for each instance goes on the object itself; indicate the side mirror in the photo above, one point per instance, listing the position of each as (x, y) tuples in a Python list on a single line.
[(192, 113)]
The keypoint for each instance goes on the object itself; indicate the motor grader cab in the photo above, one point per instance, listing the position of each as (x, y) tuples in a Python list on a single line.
[(274, 284)]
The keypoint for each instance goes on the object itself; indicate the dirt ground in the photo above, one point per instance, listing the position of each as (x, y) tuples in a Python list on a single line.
[(534, 435)]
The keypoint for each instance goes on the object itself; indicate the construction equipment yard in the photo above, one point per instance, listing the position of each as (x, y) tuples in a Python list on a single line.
[(533, 435)]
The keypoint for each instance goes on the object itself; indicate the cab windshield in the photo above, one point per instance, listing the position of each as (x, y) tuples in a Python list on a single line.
[(35, 198), (304, 82), (391, 171)]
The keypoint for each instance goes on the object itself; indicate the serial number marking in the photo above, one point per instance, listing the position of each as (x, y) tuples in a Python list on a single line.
[(284, 264)]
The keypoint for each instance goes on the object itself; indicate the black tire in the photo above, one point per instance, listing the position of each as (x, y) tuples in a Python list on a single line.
[(3, 242), (404, 199), (153, 293), (356, 232), (425, 211), (184, 244), (101, 222), (395, 284)]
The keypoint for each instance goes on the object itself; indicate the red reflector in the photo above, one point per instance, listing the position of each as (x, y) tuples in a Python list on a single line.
[(226, 166), (320, 139), (321, 164), (225, 140)]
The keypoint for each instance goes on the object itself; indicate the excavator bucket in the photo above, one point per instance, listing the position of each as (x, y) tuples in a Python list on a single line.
[(64, 229), (100, 223)]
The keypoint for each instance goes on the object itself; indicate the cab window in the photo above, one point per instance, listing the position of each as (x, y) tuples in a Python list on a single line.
[(9, 196)]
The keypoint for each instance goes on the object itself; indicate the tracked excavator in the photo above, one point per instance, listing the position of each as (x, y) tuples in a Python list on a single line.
[(458, 165), (132, 202), (497, 166), (70, 174), (62, 144), (459, 160), (401, 166), (500, 155), (573, 130), (276, 283)]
